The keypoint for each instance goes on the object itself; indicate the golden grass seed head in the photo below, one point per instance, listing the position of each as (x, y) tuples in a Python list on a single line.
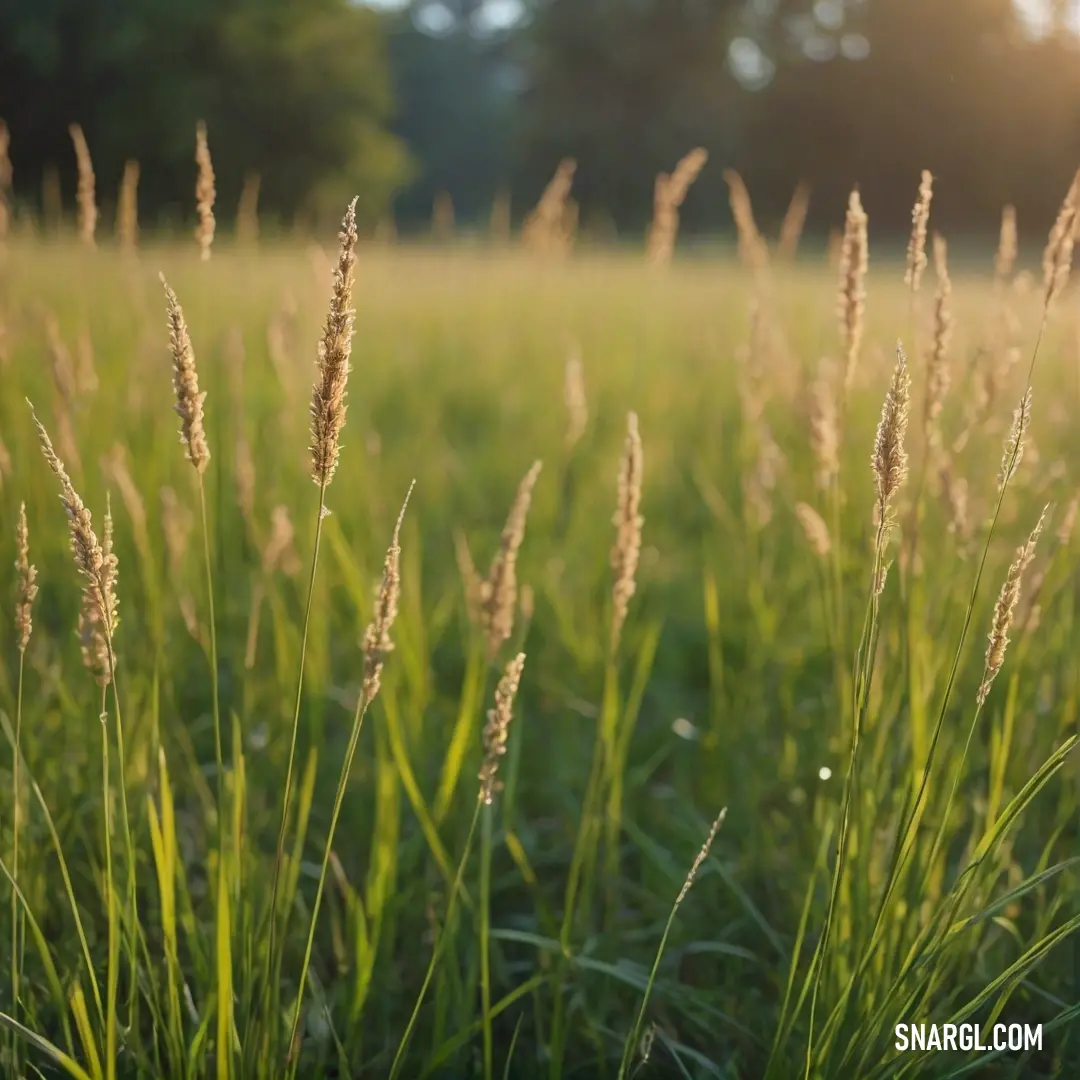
[(497, 728), (1005, 609), (628, 523), (328, 398), (189, 399), (814, 528), (498, 592), (1014, 442), (205, 193), (938, 376), (127, 210), (824, 428), (890, 460), (791, 228), (85, 199), (920, 218), (377, 643), (1068, 522), (1058, 254), (26, 582), (1005, 259), (577, 406), (851, 301)]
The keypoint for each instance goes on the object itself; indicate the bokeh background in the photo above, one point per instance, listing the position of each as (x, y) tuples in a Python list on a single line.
[(400, 100)]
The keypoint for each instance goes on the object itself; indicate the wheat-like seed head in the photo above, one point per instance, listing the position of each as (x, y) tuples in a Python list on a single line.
[(88, 211), (280, 552), (127, 210), (1058, 254), (176, 524), (791, 228), (669, 194), (824, 427), (938, 376), (851, 302), (628, 524), (890, 460), (204, 193), (328, 397), (814, 528), (753, 250), (920, 217), (377, 644), (498, 592), (1005, 259), (702, 855), (189, 399), (1005, 609), (97, 627), (545, 229), (497, 728), (577, 406), (26, 582), (1014, 442)]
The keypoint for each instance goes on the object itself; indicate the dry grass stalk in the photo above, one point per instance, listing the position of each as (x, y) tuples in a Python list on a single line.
[(753, 251), (1005, 609), (61, 367), (824, 428), (328, 405), (280, 551), (84, 196), (938, 376), (5, 463), (177, 523), (5, 181), (1058, 254), (791, 228), (245, 479), (1068, 522), (920, 218), (377, 644), (1014, 442), (189, 399), (814, 528), (25, 582), (498, 592), (1005, 259), (851, 303), (669, 193), (497, 728), (94, 560), (545, 229), (628, 523), (204, 193), (442, 217), (890, 460), (127, 208), (577, 406), (955, 491), (247, 210), (97, 627), (470, 577)]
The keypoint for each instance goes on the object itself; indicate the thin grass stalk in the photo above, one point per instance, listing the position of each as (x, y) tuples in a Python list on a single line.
[(339, 798), (437, 951), (17, 923), (633, 1039), (290, 767), (112, 972), (485, 937)]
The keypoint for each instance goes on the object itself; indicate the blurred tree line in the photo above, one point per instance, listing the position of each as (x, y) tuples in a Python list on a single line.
[(477, 97)]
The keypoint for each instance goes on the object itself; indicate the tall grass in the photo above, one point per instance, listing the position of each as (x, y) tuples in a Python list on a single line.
[(376, 881)]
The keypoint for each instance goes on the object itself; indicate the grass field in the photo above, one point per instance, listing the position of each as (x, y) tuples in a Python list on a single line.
[(891, 851)]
